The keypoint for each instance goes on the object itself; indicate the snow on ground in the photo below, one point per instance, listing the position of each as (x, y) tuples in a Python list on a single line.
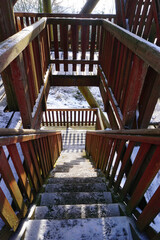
[(70, 97)]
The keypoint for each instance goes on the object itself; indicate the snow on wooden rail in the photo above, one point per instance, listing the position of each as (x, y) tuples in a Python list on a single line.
[(129, 171), (38, 151)]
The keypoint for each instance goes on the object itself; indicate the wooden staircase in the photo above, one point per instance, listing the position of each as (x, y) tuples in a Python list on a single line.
[(75, 203)]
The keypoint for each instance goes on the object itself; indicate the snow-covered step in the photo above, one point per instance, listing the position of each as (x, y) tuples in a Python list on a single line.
[(116, 228), (50, 199), (76, 180), (80, 187), (77, 211)]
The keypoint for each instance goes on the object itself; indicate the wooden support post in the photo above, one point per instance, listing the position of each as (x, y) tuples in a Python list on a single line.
[(8, 28), (92, 102), (20, 80)]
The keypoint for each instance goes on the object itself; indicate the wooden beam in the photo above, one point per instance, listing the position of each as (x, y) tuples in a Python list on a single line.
[(71, 80), (76, 21), (89, 6)]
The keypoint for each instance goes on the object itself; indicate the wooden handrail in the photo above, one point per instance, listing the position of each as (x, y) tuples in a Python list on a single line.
[(64, 15), (149, 52), (76, 21), (14, 45)]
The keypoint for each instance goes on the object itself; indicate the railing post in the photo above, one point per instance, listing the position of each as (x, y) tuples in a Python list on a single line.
[(8, 28)]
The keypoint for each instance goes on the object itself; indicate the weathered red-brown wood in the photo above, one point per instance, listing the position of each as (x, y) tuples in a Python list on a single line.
[(118, 159), (136, 81), (92, 48), (83, 45), (56, 51), (148, 24), (7, 213), (150, 211), (149, 97), (147, 177), (125, 161), (43, 156), (107, 155), (35, 162), (74, 36), (41, 159), (29, 165), (110, 160), (11, 184), (20, 171), (65, 44), (136, 166)]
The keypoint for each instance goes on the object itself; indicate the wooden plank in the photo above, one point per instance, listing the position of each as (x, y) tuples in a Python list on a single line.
[(34, 158), (7, 213), (143, 17), (125, 162), (83, 45), (137, 15), (65, 44), (112, 143), (74, 61), (147, 177), (13, 152), (74, 41), (150, 211), (136, 166), (76, 21), (11, 184), (92, 48), (149, 96), (117, 161), (29, 165), (73, 80), (41, 159), (56, 51), (138, 74)]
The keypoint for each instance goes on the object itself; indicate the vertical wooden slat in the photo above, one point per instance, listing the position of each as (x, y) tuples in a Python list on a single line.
[(118, 158), (64, 42), (60, 114), (41, 158), (83, 45), (28, 161), (75, 40), (56, 51), (57, 117), (111, 157), (11, 184), (7, 213), (92, 49), (34, 158), (71, 118), (53, 118), (20, 171), (75, 113)]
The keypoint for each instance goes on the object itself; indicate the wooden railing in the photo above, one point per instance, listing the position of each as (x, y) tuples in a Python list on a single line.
[(130, 77), (72, 117), (27, 54), (130, 161), (26, 158)]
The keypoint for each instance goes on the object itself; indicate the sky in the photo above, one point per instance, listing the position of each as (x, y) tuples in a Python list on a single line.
[(104, 6)]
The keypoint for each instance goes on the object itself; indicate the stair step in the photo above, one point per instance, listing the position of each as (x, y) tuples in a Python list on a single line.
[(83, 187), (81, 172), (71, 168), (77, 211), (50, 199), (76, 180), (80, 229)]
